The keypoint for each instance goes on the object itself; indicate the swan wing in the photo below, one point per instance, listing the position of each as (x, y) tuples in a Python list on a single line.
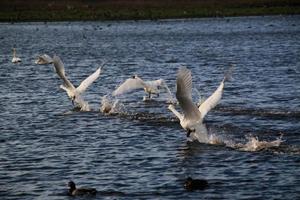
[(88, 81), (184, 95), (215, 98), (43, 59), (212, 101), (60, 70), (129, 85)]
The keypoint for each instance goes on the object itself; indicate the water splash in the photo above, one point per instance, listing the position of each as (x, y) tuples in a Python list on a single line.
[(254, 144), (109, 106), (251, 144), (216, 140)]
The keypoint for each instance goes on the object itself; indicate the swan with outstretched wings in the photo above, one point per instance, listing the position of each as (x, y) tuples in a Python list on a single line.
[(150, 87), (75, 93), (192, 118)]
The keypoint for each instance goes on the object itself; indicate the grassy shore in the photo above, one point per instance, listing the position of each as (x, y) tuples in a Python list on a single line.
[(77, 10)]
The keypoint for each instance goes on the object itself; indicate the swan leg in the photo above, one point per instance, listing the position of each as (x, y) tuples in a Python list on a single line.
[(73, 99), (188, 133)]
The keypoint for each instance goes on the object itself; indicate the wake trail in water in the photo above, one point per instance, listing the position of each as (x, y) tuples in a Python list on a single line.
[(269, 113), (113, 107)]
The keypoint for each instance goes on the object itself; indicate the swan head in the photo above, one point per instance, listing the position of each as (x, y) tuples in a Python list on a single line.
[(71, 185), (134, 76), (171, 106), (188, 183)]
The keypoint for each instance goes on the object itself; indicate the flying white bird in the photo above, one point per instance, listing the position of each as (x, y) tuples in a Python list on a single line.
[(75, 93), (15, 59), (43, 59), (192, 118), (150, 87)]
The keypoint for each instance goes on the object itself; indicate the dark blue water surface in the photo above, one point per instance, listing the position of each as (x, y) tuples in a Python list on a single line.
[(143, 152)]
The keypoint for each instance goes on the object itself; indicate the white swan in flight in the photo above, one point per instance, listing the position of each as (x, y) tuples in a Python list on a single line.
[(75, 93), (15, 59), (150, 87), (192, 118), (43, 60)]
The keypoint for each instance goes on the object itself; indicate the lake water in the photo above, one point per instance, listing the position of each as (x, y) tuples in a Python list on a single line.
[(142, 152)]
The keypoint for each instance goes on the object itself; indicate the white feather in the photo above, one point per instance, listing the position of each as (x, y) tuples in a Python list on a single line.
[(88, 81), (192, 118), (75, 93), (212, 101), (129, 85), (43, 59), (60, 70), (184, 95), (150, 87)]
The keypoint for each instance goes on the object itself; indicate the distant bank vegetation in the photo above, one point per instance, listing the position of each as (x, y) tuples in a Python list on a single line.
[(71, 10)]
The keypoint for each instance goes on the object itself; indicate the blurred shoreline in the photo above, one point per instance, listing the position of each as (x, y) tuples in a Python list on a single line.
[(94, 10)]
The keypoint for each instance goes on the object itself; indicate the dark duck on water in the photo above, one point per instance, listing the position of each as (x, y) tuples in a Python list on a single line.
[(195, 184), (73, 191)]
